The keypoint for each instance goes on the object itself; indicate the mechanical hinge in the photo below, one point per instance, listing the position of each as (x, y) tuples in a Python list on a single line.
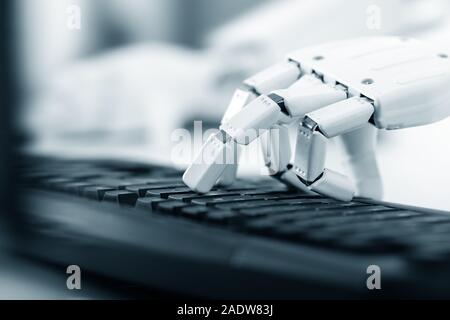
[(342, 87), (310, 152)]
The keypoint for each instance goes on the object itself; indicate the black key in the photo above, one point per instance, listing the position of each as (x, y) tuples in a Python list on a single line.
[(116, 183), (347, 217), (268, 191), (271, 210), (239, 187), (171, 206), (148, 203), (141, 189), (393, 226), (281, 218), (237, 200), (168, 180), (122, 197), (376, 208), (268, 202), (166, 192), (293, 207), (212, 194), (96, 192), (249, 204), (225, 199)]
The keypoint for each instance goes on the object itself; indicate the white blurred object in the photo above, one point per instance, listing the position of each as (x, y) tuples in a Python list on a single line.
[(150, 90), (143, 91), (46, 44), (285, 25)]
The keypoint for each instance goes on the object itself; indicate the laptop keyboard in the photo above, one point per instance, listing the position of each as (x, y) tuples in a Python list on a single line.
[(263, 208)]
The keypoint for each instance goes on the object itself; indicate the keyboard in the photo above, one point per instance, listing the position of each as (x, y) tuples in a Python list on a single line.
[(255, 238)]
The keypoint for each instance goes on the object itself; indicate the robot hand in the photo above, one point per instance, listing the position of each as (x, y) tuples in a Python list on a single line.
[(328, 90)]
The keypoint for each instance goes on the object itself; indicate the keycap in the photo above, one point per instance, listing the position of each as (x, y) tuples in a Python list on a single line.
[(212, 194), (141, 189), (158, 180), (96, 192), (225, 199), (280, 218), (116, 182), (148, 203), (350, 217), (293, 207), (170, 206), (390, 227), (166, 192), (122, 197), (268, 191), (268, 202)]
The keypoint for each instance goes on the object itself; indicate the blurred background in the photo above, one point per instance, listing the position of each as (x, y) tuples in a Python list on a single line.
[(114, 78)]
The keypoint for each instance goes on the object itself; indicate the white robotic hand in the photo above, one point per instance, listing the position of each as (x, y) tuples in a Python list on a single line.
[(329, 90)]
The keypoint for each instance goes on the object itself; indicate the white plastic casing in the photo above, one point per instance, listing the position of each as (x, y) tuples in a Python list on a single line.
[(334, 185), (241, 98), (407, 80), (308, 94), (310, 154), (276, 148), (280, 75), (343, 116), (277, 76), (291, 179), (209, 164), (258, 116)]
